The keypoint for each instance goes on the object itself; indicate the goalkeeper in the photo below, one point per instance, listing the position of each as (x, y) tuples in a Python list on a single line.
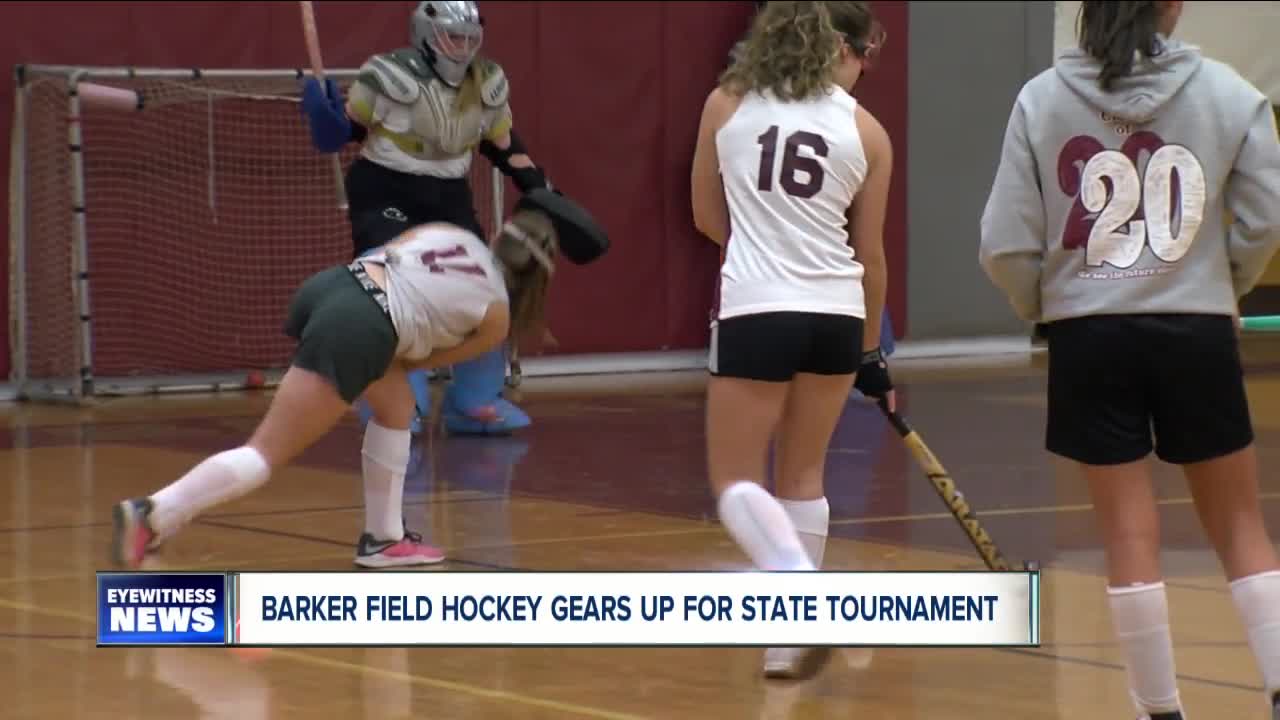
[(419, 113)]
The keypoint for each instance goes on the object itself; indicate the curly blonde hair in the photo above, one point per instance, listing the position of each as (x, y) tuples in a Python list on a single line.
[(793, 48)]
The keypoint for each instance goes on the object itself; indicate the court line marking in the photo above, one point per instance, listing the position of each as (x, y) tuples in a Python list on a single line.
[(439, 684), (1104, 665), (365, 669), (1028, 510), (450, 497), (673, 532), (227, 566)]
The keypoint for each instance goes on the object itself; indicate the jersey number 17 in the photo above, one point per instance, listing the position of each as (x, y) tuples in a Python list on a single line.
[(794, 165), (453, 260)]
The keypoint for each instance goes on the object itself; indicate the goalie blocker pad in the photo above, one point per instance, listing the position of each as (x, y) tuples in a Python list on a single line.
[(580, 237)]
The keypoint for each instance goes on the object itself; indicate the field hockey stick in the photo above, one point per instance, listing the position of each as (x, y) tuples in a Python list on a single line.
[(951, 496), (312, 38), (1259, 323), (514, 373)]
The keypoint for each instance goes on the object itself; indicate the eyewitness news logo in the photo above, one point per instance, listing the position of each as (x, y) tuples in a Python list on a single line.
[(163, 609)]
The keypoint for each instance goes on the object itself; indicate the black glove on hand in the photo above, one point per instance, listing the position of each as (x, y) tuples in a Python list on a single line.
[(873, 376), (528, 178)]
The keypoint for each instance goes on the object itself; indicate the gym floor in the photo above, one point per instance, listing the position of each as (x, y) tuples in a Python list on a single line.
[(610, 477)]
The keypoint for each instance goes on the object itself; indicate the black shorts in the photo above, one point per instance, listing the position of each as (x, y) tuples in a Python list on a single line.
[(382, 203), (775, 346), (343, 333), (1115, 381)]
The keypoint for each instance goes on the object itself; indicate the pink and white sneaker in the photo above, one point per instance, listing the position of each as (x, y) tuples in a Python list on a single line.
[(410, 550), (132, 538)]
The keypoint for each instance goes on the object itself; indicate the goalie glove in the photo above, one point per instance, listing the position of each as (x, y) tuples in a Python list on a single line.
[(326, 114)]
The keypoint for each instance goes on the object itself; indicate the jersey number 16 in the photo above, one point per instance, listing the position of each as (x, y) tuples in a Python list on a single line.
[(793, 163)]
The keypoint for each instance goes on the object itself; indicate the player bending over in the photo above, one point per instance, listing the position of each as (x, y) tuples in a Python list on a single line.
[(799, 170), (420, 112), (1106, 224), (434, 296)]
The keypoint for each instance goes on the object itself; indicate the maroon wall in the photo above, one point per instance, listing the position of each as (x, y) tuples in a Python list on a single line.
[(607, 95)]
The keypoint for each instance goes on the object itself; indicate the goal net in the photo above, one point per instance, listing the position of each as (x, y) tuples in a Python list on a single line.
[(155, 244)]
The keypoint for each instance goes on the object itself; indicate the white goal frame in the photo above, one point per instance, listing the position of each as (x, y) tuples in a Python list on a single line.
[(88, 384)]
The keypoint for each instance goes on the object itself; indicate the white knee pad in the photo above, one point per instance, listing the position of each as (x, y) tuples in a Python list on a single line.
[(388, 448)]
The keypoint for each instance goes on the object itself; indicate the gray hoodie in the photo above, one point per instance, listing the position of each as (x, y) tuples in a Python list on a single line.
[(1116, 203)]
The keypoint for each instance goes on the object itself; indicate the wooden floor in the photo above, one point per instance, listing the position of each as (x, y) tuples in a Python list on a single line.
[(606, 479)]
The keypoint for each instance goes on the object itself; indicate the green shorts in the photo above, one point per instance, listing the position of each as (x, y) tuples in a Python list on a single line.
[(343, 333)]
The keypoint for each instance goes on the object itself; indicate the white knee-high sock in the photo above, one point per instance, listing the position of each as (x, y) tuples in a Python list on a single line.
[(812, 519), (1257, 599), (385, 460), (1140, 616), (219, 479), (761, 528)]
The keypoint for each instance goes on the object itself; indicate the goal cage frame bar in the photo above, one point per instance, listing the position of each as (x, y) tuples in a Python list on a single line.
[(87, 384)]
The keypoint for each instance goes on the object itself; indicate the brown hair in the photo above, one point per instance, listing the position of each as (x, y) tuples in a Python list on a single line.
[(1114, 31), (793, 48), (527, 279), (469, 90)]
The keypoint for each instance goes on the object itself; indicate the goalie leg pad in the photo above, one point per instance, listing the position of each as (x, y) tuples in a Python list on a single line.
[(510, 419), (477, 384), (420, 381)]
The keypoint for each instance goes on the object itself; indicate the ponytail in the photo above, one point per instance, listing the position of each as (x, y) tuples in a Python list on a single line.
[(1114, 31)]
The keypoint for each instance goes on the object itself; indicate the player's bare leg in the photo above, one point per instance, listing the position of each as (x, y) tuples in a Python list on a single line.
[(809, 418), (304, 408), (1125, 504), (741, 417), (1226, 491), (386, 542)]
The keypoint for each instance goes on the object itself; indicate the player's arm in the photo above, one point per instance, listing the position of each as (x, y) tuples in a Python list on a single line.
[(1013, 240), (500, 143), (866, 222), (489, 334), (710, 211), (1253, 198), (507, 153)]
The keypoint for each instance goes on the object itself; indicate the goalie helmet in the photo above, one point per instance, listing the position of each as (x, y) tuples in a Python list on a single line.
[(448, 33)]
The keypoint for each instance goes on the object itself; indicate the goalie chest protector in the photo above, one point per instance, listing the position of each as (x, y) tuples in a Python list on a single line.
[(423, 119)]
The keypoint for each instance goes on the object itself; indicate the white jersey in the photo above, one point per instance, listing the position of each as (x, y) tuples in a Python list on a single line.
[(790, 172), (440, 282)]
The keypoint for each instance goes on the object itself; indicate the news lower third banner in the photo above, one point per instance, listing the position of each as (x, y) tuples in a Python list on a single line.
[(568, 609), (163, 609)]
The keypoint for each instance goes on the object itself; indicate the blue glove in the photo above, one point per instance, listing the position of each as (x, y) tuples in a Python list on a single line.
[(330, 126)]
